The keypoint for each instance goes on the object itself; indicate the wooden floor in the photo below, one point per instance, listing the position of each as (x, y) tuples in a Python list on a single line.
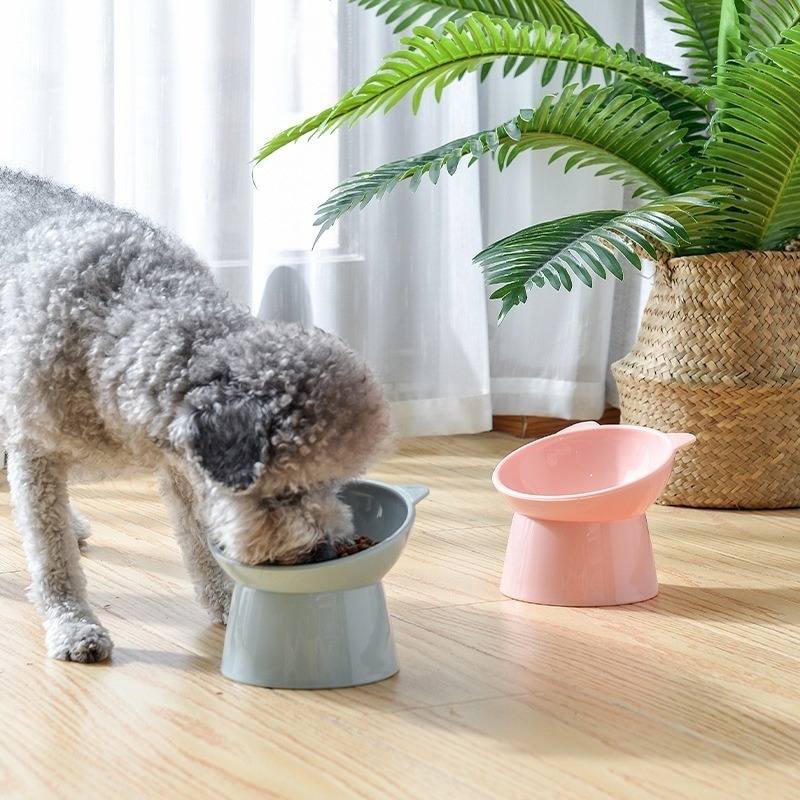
[(694, 694)]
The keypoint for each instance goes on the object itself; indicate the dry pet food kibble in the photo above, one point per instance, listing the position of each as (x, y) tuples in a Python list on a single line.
[(359, 543)]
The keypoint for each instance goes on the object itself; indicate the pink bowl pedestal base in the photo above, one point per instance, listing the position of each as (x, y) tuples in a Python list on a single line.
[(579, 563)]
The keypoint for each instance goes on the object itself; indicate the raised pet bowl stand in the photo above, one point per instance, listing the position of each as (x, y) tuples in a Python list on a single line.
[(325, 625), (579, 534)]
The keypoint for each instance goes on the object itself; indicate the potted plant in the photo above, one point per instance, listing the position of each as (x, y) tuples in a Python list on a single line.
[(713, 159)]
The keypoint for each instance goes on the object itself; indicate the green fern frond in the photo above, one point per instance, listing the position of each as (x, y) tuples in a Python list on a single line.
[(363, 187), (433, 60), (691, 115), (586, 245), (734, 23), (632, 140), (768, 20), (696, 22), (755, 147), (693, 120), (404, 14)]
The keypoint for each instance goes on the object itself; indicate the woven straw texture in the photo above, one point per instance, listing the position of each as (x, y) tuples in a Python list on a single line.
[(718, 355)]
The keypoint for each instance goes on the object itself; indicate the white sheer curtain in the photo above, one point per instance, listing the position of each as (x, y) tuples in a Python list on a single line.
[(550, 357), (395, 280), (144, 103), (161, 105)]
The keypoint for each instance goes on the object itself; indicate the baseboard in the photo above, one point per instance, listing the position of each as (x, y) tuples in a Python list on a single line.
[(524, 427)]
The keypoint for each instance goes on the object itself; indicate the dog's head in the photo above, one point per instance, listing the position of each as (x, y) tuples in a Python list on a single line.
[(271, 437)]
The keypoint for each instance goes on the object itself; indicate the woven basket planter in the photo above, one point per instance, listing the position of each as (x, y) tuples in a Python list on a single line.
[(718, 355)]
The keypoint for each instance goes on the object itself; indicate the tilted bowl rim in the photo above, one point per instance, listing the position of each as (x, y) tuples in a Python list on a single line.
[(347, 572), (601, 430)]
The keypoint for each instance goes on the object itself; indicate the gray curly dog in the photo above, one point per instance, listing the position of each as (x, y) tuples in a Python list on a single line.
[(119, 350)]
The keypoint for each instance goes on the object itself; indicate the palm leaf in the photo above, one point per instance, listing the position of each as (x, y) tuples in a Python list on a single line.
[(696, 22), (404, 14), (628, 139), (587, 244), (433, 60), (694, 121), (768, 20), (363, 187), (734, 26), (755, 146), (690, 114)]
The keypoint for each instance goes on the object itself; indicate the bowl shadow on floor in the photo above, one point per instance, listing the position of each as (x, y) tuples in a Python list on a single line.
[(693, 718), (774, 605), (172, 660), (618, 699), (197, 653)]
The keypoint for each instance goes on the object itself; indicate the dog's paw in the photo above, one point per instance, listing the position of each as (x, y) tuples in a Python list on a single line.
[(80, 527), (79, 640)]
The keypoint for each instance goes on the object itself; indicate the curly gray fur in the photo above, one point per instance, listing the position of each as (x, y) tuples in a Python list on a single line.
[(118, 349)]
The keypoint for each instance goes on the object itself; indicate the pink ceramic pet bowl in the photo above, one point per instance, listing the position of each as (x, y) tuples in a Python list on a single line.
[(579, 536)]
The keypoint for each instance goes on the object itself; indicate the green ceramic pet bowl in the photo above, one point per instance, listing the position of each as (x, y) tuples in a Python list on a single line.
[(323, 625)]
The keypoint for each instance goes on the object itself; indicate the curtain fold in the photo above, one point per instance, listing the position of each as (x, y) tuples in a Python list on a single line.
[(161, 107)]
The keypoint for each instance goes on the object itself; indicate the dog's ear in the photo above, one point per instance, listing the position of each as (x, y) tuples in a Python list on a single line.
[(227, 438)]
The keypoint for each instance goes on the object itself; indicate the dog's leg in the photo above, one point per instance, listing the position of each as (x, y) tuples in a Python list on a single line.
[(212, 586), (58, 586)]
